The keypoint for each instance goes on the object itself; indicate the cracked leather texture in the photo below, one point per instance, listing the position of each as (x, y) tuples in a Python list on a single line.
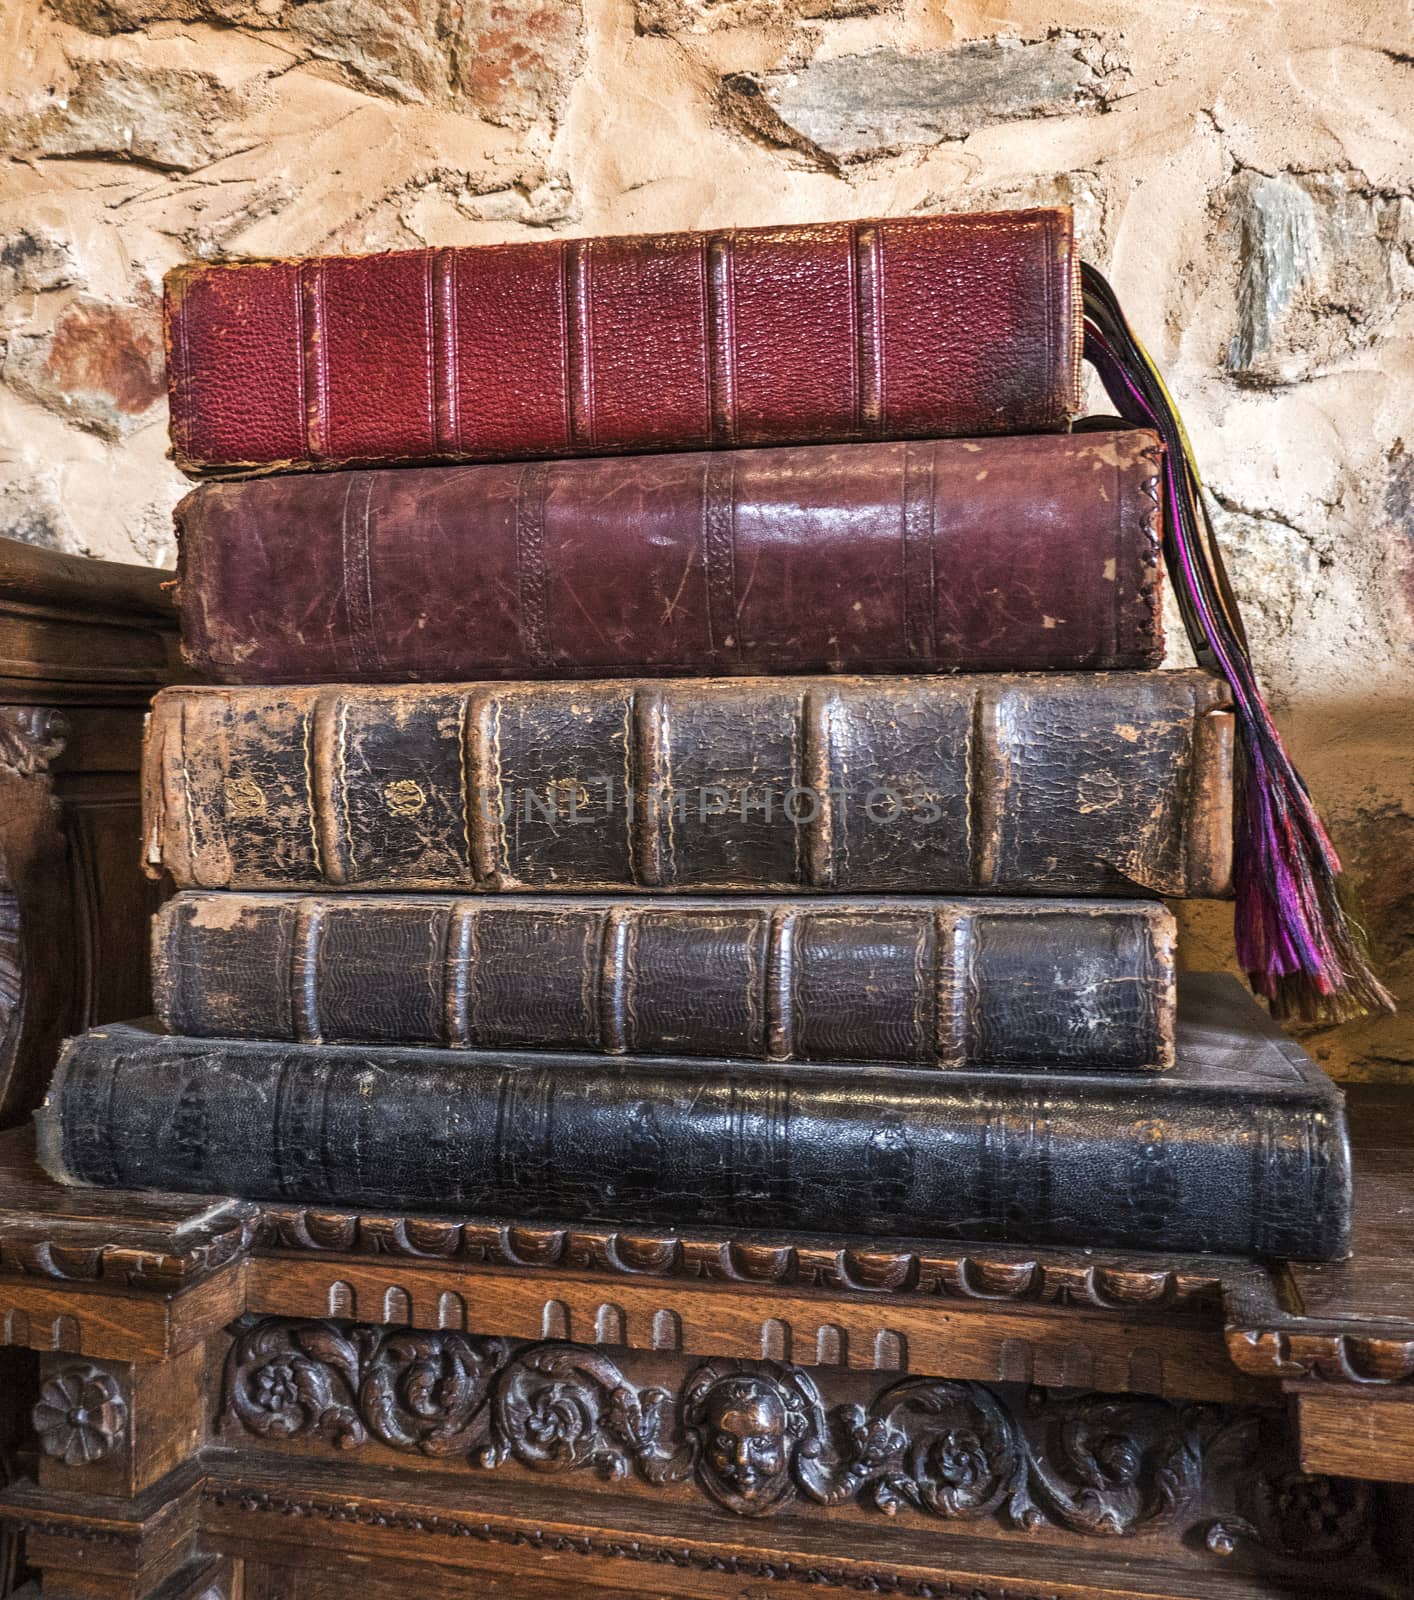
[(1038, 551), (901, 328), (1242, 1148), (1038, 784), (1046, 985)]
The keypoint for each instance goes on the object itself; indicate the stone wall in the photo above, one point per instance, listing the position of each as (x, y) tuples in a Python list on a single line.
[(1245, 171)]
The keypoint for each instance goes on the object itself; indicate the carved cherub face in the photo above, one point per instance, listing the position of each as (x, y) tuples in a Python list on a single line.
[(747, 1442)]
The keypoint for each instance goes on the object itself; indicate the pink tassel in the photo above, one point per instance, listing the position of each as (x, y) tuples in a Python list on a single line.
[(1299, 944)]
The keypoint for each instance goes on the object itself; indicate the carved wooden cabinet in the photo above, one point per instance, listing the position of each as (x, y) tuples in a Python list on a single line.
[(214, 1400), (83, 647), (278, 1402)]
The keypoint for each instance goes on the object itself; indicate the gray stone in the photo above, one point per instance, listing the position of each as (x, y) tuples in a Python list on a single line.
[(744, 105), (1398, 508), (28, 513), (392, 49), (856, 107), (1399, 491), (32, 262), (127, 16), (164, 117), (511, 61), (1325, 265), (1275, 567)]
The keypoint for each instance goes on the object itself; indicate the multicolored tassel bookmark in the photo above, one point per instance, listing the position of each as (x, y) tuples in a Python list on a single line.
[(1296, 937)]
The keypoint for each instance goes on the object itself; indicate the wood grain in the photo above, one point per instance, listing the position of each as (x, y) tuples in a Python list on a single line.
[(1357, 1435)]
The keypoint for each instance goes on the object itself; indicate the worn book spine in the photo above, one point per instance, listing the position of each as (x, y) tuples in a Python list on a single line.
[(1034, 784), (1112, 1161), (901, 328), (976, 555), (1044, 985)]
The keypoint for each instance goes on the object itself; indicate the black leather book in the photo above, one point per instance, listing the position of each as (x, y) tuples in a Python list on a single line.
[(1041, 984), (1241, 1148), (1042, 783)]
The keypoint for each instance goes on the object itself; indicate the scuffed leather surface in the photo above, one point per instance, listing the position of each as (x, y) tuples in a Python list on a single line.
[(900, 328), (1032, 783), (981, 555), (1046, 984), (1241, 1148)]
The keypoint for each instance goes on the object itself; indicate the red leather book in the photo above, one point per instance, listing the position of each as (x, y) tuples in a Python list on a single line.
[(1031, 552), (905, 328)]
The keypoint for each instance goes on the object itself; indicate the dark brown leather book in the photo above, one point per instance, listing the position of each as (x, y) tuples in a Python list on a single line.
[(1042, 984), (906, 327), (973, 555), (1037, 784), (1241, 1148)]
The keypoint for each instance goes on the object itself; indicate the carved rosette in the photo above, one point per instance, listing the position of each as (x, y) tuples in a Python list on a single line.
[(757, 1437), (1308, 1514), (80, 1415), (558, 1407), (950, 1449), (290, 1380), (1304, 1516)]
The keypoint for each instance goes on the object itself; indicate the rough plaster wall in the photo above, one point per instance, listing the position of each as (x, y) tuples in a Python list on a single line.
[(1244, 170)]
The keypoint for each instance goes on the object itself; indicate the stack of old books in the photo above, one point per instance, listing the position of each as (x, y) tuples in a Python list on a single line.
[(684, 748)]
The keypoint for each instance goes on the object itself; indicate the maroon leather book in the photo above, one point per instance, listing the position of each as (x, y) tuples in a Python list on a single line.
[(906, 328), (1030, 552)]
